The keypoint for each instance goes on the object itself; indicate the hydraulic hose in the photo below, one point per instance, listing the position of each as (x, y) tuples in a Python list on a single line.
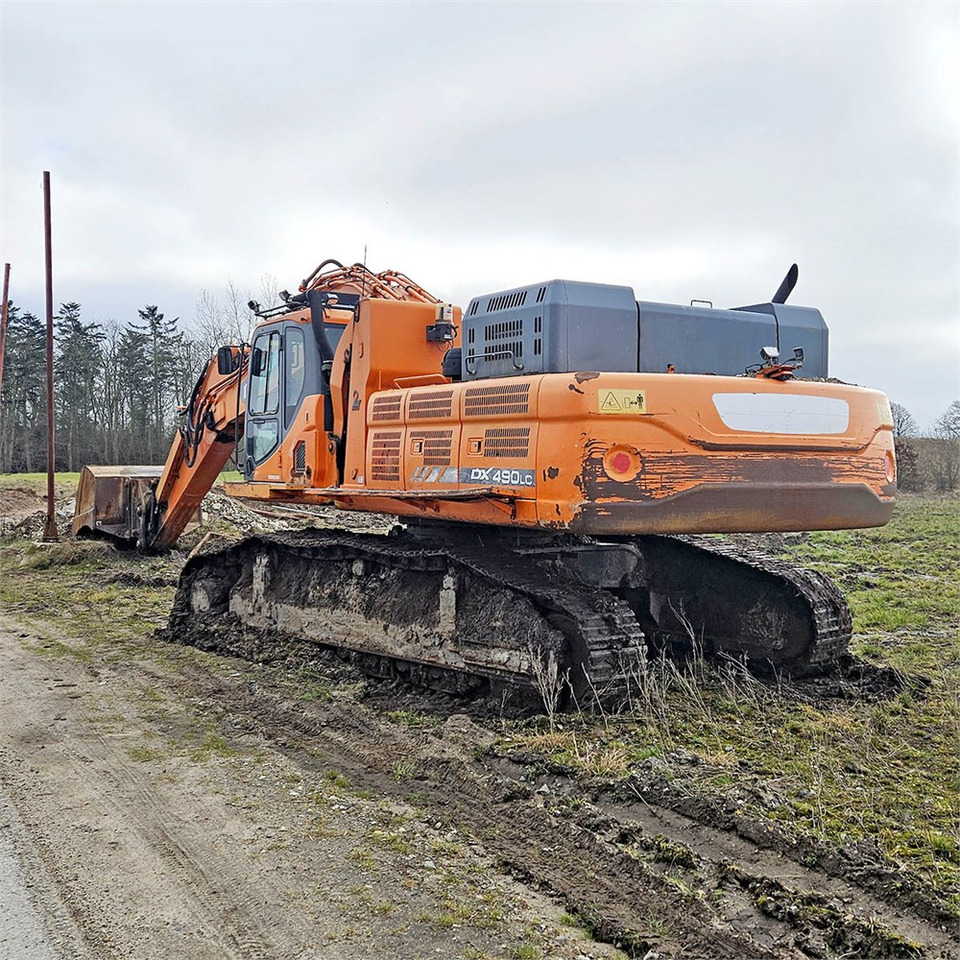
[(317, 300)]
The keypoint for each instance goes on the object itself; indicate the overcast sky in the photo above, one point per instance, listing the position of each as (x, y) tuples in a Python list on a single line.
[(684, 149)]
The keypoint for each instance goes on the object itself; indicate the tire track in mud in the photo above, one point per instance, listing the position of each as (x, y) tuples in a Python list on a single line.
[(608, 892), (590, 857), (854, 872), (767, 885)]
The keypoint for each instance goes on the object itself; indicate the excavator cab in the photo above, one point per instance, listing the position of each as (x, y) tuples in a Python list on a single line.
[(284, 404)]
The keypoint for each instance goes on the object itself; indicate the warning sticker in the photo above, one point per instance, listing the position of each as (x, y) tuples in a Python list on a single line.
[(622, 401)]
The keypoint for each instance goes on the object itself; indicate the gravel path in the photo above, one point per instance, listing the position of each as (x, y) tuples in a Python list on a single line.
[(23, 930), (167, 836)]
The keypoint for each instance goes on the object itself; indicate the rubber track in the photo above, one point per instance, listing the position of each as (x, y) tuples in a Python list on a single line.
[(594, 621), (829, 612)]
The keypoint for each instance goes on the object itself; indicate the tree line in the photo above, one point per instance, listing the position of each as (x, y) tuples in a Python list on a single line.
[(927, 460), (118, 385)]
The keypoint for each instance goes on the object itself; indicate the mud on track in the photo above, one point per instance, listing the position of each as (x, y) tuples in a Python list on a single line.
[(645, 865)]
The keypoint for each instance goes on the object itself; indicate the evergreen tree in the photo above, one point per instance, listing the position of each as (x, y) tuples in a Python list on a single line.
[(78, 368), (23, 408), (135, 382), (162, 344)]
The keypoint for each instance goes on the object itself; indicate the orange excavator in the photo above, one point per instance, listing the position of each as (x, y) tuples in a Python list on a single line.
[(554, 456)]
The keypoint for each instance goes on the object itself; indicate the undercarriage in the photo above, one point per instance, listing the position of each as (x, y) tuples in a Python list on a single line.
[(502, 614)]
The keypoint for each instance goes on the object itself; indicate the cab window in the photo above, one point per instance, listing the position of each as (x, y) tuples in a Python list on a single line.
[(294, 373), (265, 375)]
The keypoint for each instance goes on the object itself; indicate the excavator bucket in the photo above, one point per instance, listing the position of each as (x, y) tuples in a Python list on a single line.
[(108, 497)]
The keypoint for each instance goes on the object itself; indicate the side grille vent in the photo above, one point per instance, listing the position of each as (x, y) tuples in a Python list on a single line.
[(505, 330), (497, 400), (386, 407), (507, 300), (494, 335), (541, 294), (385, 455), (504, 351), (300, 457), (424, 406), (437, 446), (506, 442)]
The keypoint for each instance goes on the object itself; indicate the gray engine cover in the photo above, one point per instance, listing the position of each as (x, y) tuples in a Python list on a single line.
[(562, 326), (551, 327)]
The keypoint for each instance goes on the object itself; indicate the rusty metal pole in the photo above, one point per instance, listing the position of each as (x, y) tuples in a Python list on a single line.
[(3, 319), (50, 532)]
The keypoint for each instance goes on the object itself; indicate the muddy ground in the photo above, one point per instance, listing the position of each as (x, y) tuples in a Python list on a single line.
[(159, 801)]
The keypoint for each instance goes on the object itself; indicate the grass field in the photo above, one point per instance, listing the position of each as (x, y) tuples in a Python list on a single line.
[(882, 769), (842, 770), (65, 483)]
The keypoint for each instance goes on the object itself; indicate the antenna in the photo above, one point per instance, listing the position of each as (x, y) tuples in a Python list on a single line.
[(363, 282)]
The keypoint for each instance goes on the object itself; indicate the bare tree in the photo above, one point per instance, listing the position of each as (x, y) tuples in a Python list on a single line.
[(269, 289), (903, 423), (219, 321), (942, 451), (947, 425)]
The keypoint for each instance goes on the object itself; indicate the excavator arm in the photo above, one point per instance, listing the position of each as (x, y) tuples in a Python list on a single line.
[(152, 506), (211, 429)]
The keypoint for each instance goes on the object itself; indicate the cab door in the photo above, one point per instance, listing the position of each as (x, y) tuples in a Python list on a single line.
[(262, 433)]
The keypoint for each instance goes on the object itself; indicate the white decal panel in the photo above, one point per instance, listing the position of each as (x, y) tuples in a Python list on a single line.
[(498, 476), (484, 476), (786, 413)]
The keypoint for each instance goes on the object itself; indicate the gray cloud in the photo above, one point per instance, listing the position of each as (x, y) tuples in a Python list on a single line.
[(689, 150)]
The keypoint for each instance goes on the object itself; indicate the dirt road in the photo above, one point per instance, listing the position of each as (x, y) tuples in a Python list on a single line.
[(33, 922), (165, 837), (189, 805)]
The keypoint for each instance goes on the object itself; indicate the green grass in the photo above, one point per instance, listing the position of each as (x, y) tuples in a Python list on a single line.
[(38, 481), (902, 581), (839, 770), (214, 745), (413, 720), (65, 482), (77, 593)]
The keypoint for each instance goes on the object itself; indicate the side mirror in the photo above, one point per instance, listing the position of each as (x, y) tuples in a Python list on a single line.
[(227, 361)]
